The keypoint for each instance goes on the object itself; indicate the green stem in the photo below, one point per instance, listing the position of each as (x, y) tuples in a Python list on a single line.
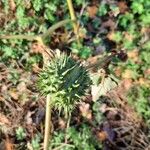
[(63, 145), (48, 123), (73, 17), (39, 38), (54, 27)]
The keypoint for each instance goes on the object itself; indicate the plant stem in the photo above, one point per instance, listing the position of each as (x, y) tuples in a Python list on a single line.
[(54, 27), (48, 123), (21, 36), (68, 124), (73, 17), (38, 38), (63, 145)]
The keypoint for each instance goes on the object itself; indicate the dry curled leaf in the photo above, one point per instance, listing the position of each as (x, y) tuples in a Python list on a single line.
[(111, 36), (36, 68), (133, 55), (147, 72), (127, 84), (62, 123), (21, 87), (128, 36), (127, 74), (14, 94), (92, 10), (12, 5), (4, 120), (122, 6), (109, 23), (118, 71), (46, 52), (102, 136), (85, 110), (9, 144), (143, 82)]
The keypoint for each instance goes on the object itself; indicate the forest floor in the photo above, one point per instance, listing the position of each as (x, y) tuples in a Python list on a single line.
[(115, 115)]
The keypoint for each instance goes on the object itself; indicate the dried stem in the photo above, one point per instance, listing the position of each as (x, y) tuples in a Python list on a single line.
[(67, 126), (26, 37), (48, 123)]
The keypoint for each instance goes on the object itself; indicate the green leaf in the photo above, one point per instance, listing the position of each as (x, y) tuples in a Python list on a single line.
[(145, 18), (36, 142), (103, 9), (37, 4), (117, 36), (20, 133), (137, 7), (125, 20)]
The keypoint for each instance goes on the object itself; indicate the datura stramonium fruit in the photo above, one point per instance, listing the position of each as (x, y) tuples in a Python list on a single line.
[(66, 80)]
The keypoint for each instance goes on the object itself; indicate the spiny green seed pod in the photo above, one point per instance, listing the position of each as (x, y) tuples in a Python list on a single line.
[(66, 80)]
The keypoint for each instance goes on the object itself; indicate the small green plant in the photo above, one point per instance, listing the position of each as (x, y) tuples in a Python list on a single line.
[(20, 133), (81, 138), (83, 51), (97, 113), (134, 67), (64, 81), (137, 7), (141, 95), (36, 142), (126, 19), (13, 76), (103, 9)]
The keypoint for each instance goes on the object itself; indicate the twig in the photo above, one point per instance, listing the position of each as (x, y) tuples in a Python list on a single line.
[(83, 8)]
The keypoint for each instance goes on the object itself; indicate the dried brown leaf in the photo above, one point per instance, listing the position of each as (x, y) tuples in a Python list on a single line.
[(92, 10), (14, 94), (109, 23), (127, 84), (143, 82), (122, 6), (102, 135), (12, 5), (127, 74), (118, 71), (85, 110), (62, 123), (111, 36), (147, 72), (4, 120), (21, 87), (9, 144), (36, 68), (134, 55)]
